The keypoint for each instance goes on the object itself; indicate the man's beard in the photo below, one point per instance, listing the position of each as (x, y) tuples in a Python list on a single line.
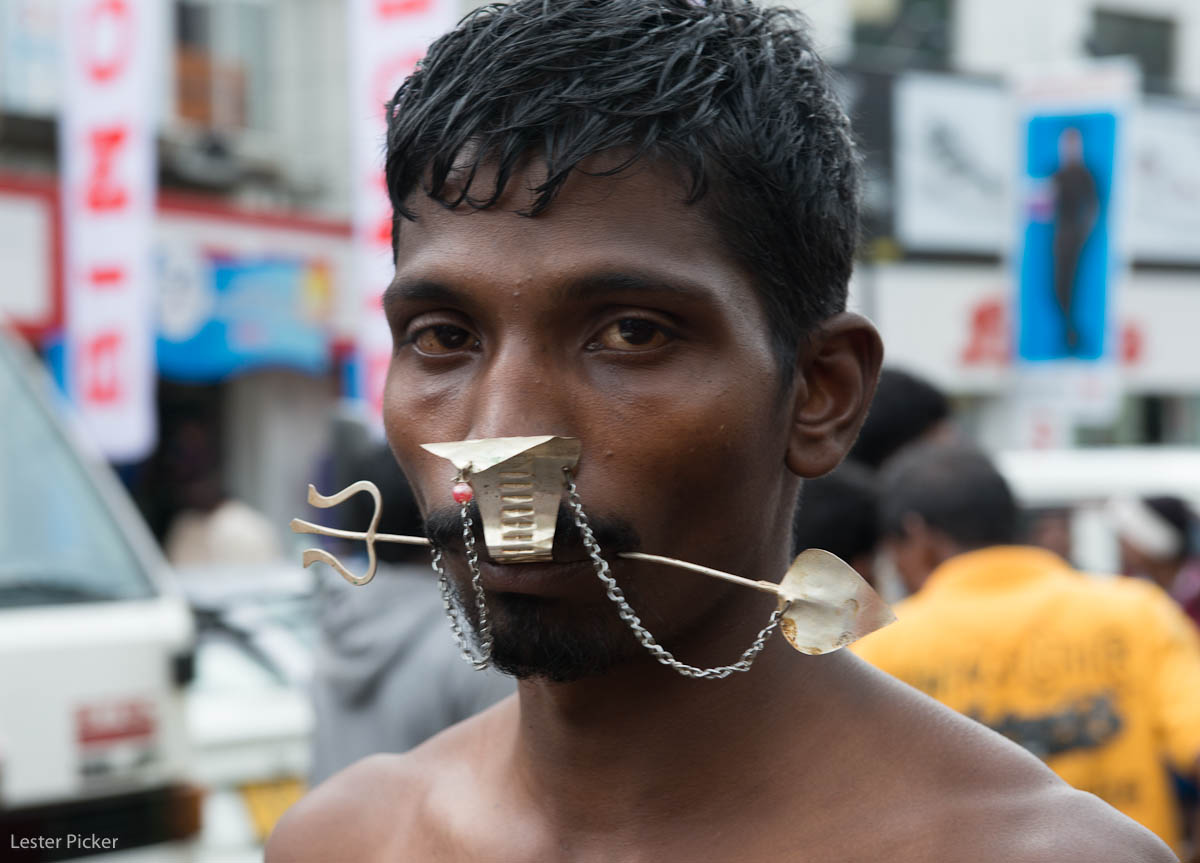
[(552, 638)]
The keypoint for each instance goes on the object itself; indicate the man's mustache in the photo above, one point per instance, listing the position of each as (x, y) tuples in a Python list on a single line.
[(443, 527)]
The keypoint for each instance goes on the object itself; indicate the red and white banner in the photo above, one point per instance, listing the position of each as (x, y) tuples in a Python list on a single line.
[(108, 191), (387, 38)]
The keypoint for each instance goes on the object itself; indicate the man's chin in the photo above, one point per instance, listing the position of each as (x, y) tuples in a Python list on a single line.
[(536, 637)]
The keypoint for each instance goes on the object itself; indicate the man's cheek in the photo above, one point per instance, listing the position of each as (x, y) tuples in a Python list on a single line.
[(699, 486)]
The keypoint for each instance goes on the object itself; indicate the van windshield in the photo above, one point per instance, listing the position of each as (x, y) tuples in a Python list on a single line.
[(58, 541)]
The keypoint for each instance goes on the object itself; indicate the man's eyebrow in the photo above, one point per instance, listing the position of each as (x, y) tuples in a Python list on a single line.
[(413, 290), (583, 287)]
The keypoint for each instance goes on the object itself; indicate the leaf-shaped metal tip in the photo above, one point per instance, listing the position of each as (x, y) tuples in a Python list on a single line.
[(826, 604), (829, 605)]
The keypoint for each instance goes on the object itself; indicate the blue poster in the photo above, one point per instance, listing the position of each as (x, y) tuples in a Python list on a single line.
[(1066, 266), (248, 314)]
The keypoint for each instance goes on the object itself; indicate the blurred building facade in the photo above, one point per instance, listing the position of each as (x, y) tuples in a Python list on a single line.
[(252, 238), (254, 157), (929, 87)]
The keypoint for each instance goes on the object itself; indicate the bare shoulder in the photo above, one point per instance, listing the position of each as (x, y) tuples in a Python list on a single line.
[(1052, 824), (379, 808), (970, 794), (353, 815)]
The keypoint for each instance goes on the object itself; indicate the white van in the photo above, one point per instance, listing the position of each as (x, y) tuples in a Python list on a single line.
[(95, 648), (1082, 481)]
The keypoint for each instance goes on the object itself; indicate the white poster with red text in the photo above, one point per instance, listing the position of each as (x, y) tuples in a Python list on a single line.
[(107, 175), (387, 38)]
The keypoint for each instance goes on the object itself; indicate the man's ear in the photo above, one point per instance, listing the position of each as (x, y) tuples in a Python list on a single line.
[(836, 375)]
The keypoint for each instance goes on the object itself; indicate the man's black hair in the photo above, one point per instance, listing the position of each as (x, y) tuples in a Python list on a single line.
[(955, 489), (730, 93), (904, 409), (839, 512)]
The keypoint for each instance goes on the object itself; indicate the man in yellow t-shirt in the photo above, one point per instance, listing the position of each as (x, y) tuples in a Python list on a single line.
[(1098, 677)]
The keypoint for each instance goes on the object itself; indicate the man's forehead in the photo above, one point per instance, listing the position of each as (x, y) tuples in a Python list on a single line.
[(595, 180), (640, 214)]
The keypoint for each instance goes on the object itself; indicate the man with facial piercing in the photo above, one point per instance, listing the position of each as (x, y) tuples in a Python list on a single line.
[(624, 231)]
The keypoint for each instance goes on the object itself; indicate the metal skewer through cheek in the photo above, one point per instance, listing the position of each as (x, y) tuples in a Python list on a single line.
[(483, 658), (518, 482), (299, 525), (823, 603)]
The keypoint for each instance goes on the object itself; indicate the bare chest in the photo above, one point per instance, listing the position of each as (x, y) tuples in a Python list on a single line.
[(737, 836)]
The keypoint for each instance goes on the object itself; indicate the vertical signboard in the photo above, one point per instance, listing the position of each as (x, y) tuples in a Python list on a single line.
[(1073, 148), (1069, 252), (952, 157), (107, 175), (387, 38), (1165, 201)]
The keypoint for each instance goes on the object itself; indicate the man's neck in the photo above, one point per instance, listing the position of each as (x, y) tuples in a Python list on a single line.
[(663, 742)]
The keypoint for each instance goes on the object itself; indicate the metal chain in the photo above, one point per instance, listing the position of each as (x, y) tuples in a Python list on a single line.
[(485, 625), (448, 605), (627, 614), (484, 658)]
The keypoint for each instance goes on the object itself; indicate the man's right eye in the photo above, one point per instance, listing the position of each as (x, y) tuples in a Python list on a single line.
[(443, 339)]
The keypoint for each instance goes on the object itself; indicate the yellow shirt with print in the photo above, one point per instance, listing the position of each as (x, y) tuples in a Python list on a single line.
[(1098, 677)]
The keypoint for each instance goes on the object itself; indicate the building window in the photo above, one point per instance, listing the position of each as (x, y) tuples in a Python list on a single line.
[(903, 33), (222, 57), (1151, 41)]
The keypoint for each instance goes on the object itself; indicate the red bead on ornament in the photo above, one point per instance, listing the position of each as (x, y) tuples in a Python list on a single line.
[(462, 492)]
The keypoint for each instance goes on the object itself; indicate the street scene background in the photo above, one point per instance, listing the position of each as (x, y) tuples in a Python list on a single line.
[(193, 239)]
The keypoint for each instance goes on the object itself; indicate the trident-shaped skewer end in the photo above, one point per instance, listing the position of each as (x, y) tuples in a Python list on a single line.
[(320, 555)]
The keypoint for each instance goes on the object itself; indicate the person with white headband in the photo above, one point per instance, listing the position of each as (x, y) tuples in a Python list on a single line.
[(1157, 537)]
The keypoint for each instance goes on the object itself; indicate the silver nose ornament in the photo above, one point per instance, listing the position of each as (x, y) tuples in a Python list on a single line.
[(518, 484)]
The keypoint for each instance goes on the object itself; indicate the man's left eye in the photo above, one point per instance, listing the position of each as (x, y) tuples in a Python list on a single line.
[(631, 334)]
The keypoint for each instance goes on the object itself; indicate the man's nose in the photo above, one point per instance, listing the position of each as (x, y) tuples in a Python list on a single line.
[(523, 391)]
